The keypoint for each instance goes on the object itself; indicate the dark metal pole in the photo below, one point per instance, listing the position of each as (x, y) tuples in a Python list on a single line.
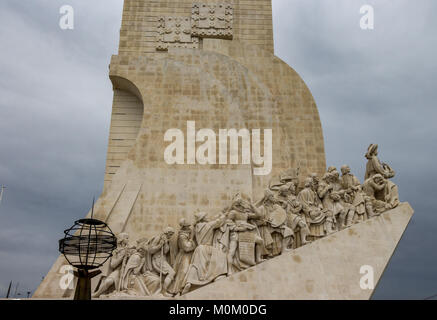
[(9, 290), (83, 285)]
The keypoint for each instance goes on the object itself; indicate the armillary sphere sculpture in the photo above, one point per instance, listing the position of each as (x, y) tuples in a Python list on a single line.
[(87, 245)]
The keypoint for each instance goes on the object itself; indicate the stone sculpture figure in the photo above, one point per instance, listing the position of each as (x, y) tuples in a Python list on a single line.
[(345, 197), (391, 194), (334, 179), (331, 200), (276, 226), (222, 235), (264, 231), (372, 187), (287, 198), (318, 220), (111, 280), (315, 187), (353, 195), (246, 245), (208, 262), (185, 246), (132, 271), (315, 184), (382, 194), (157, 258), (374, 166)]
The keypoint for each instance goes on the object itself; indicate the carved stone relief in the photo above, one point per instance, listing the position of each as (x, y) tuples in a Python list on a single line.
[(175, 32), (212, 20), (207, 21), (246, 233)]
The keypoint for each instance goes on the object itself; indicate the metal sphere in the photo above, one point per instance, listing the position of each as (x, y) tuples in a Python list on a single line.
[(88, 244)]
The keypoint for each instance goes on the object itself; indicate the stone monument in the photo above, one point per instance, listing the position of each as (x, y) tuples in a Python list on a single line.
[(198, 217)]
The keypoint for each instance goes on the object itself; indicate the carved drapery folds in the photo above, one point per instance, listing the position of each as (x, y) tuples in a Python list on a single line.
[(206, 21)]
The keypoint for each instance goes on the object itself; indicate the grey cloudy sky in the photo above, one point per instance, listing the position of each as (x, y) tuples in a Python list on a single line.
[(55, 102)]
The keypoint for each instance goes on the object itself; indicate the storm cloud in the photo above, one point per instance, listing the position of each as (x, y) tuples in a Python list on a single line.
[(371, 86)]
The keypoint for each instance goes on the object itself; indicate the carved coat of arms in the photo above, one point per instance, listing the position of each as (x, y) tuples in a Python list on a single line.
[(212, 20)]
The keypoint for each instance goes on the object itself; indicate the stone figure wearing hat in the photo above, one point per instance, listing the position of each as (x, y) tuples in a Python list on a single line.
[(286, 177)]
